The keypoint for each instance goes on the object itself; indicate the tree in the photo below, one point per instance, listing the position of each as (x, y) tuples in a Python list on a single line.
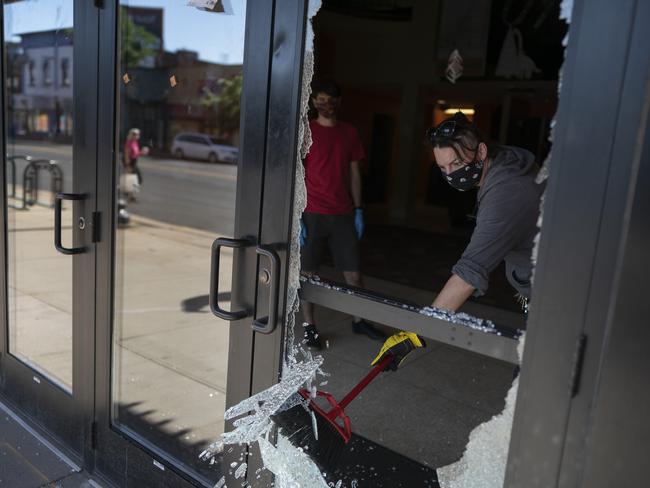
[(226, 101), (137, 42)]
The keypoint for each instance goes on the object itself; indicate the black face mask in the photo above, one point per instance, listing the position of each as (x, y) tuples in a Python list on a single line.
[(467, 177), (327, 109)]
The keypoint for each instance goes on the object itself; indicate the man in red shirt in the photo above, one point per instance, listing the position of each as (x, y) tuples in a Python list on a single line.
[(333, 214)]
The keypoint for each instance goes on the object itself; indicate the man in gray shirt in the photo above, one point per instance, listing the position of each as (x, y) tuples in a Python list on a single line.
[(508, 207), (506, 222)]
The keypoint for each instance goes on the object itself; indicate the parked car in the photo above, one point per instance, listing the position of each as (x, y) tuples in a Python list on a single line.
[(194, 145)]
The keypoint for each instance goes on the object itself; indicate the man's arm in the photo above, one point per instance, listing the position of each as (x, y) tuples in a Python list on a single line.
[(455, 292), (355, 182)]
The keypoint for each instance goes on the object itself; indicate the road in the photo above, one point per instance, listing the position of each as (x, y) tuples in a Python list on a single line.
[(190, 193)]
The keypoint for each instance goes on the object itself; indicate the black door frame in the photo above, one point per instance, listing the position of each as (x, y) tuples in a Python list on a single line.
[(600, 127), (601, 113), (120, 454), (290, 21), (24, 388)]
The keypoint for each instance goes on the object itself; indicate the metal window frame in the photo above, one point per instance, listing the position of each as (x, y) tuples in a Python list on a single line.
[(47, 404), (615, 433), (498, 342), (285, 85), (584, 227), (122, 454)]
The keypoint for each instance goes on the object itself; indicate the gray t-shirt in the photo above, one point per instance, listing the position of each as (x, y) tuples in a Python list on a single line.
[(506, 222)]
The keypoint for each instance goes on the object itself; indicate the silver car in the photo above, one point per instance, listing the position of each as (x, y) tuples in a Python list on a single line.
[(194, 145)]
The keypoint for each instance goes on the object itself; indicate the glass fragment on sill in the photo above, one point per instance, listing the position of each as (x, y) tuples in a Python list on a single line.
[(457, 318), (461, 318)]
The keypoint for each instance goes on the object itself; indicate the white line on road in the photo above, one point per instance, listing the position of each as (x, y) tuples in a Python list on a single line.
[(195, 172)]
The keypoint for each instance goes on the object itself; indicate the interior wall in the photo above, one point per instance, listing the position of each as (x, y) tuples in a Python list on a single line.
[(390, 72), (380, 66)]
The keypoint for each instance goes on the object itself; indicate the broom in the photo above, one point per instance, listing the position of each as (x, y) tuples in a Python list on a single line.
[(323, 433)]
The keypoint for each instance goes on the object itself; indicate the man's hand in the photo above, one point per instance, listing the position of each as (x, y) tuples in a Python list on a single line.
[(399, 345), (358, 222)]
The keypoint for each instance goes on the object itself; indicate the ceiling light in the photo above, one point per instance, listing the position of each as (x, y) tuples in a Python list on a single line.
[(453, 110)]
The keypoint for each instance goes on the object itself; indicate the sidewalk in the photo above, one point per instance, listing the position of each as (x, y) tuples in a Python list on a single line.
[(170, 353), (29, 461)]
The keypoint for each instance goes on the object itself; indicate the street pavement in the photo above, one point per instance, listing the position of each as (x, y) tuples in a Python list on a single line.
[(193, 194)]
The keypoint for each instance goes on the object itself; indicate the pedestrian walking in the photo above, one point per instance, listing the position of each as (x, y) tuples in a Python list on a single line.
[(132, 151)]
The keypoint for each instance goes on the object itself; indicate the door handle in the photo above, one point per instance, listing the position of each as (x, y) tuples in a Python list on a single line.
[(57, 222), (214, 277), (267, 324)]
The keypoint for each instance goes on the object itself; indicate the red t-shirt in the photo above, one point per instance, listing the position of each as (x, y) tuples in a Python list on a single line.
[(327, 167)]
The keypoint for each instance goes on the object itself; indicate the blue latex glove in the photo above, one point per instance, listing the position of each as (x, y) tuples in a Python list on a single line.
[(358, 222), (303, 233)]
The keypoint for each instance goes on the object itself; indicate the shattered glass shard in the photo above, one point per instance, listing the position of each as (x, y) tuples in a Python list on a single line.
[(241, 470), (262, 406), (483, 464), (291, 466)]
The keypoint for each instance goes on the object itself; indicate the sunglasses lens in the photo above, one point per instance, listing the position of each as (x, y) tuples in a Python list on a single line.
[(446, 129)]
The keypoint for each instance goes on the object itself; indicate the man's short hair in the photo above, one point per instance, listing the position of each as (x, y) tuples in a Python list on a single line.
[(328, 87)]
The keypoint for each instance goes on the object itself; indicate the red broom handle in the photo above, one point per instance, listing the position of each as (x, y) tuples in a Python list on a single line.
[(379, 367)]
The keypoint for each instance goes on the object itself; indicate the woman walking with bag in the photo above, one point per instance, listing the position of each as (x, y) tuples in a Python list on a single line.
[(132, 151)]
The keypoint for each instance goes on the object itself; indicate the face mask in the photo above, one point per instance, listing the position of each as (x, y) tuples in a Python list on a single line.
[(327, 109), (467, 177)]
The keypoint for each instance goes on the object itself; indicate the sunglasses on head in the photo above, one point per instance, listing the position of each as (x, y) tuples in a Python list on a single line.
[(445, 130), (450, 129)]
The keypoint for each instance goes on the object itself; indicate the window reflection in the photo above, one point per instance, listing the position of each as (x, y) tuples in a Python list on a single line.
[(180, 85), (38, 121)]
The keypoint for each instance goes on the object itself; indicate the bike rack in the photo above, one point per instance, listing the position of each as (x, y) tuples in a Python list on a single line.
[(12, 162), (30, 180)]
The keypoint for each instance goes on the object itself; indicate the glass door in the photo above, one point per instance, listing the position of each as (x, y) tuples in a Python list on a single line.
[(182, 148), (370, 272), (49, 124)]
